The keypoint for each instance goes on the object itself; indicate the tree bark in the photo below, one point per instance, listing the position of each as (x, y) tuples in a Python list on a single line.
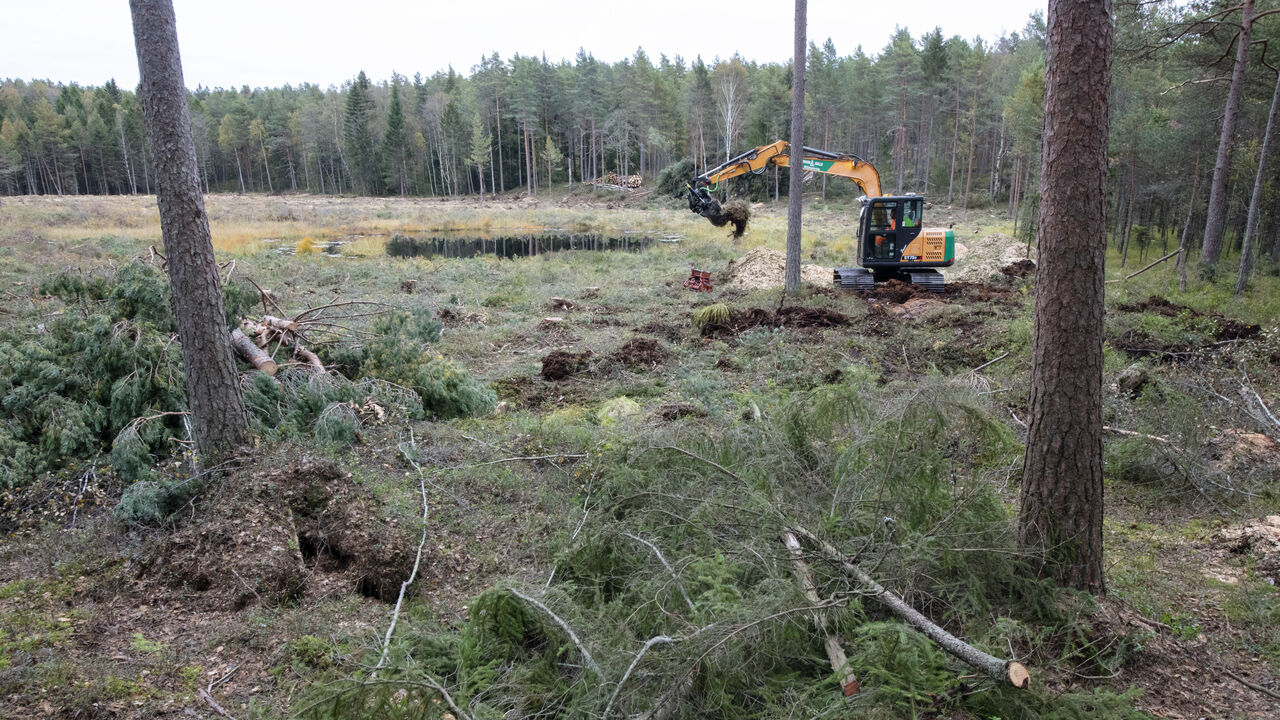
[(1060, 522), (218, 413), (1215, 222), (795, 187), (1255, 203)]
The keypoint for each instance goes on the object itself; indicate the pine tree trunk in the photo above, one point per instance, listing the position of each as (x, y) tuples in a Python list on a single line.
[(1060, 522), (1215, 220), (218, 413), (1255, 203), (791, 278)]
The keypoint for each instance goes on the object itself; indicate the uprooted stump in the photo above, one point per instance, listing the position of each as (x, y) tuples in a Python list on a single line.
[(736, 212), (561, 364), (279, 535)]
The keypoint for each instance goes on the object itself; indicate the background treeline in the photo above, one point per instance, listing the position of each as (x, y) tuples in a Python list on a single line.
[(955, 119)]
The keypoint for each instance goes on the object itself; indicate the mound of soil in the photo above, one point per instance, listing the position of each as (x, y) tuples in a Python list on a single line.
[(897, 291), (1157, 305), (982, 260), (1258, 538), (640, 353), (1229, 329), (561, 364), (794, 317), (277, 536), (736, 212), (762, 268), (916, 306), (670, 333), (797, 316), (675, 411), (1020, 269)]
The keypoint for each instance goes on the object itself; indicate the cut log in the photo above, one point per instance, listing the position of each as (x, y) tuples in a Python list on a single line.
[(1010, 671), (254, 354), (279, 323)]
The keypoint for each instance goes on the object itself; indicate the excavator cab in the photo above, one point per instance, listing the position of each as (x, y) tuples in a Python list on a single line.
[(892, 244)]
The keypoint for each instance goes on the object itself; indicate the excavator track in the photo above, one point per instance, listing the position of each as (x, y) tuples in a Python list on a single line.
[(854, 278), (930, 280)]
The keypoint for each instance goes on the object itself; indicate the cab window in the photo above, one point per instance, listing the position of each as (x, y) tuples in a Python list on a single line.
[(912, 212), (883, 216)]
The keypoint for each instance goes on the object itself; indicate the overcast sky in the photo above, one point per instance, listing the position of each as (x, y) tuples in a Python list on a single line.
[(230, 43)]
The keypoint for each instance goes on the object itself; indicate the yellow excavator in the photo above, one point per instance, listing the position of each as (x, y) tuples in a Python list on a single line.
[(892, 243)]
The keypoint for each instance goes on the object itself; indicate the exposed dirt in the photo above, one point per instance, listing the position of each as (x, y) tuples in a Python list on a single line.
[(762, 268), (521, 391), (640, 353), (897, 291), (916, 306), (792, 316), (668, 332), (459, 317), (1258, 538), (1157, 305), (1020, 269), (805, 317), (276, 536), (561, 364), (675, 411)]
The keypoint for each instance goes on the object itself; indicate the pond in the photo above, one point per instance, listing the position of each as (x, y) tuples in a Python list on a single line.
[(457, 245)]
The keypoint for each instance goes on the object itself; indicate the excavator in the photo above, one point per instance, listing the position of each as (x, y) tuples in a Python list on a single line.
[(891, 240)]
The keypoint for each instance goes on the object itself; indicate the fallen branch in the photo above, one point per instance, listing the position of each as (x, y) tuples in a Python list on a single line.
[(989, 362), (1132, 433), (279, 324), (205, 696), (1011, 671), (1251, 686), (1139, 272), (395, 614), (665, 564), (586, 656), (251, 352), (831, 640), (310, 358), (659, 640)]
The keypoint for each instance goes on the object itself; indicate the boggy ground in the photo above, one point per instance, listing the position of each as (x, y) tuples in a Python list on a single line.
[(280, 577)]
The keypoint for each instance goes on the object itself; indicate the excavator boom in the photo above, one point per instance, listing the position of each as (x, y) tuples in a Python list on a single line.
[(861, 172)]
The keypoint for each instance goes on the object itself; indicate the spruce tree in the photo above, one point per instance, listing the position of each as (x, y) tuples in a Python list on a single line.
[(358, 143), (393, 146)]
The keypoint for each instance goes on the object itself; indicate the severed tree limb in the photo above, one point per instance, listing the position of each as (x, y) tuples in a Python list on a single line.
[(310, 358), (1251, 686), (1010, 671), (1153, 264), (1134, 433), (659, 640), (205, 696), (831, 640), (586, 656), (395, 614), (251, 352), (279, 324), (665, 564)]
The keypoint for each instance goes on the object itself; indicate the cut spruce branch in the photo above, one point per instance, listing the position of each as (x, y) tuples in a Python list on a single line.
[(564, 626), (659, 640), (251, 352), (1010, 671)]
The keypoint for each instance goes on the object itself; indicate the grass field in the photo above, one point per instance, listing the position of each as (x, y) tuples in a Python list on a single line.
[(862, 419)]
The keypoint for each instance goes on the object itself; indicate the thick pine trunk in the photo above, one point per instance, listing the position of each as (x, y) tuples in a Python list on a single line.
[(1060, 522), (1215, 222), (218, 414), (791, 278)]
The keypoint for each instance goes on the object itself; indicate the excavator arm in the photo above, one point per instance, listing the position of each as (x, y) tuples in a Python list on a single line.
[(756, 160)]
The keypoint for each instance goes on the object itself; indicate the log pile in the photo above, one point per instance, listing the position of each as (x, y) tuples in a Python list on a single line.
[(257, 341)]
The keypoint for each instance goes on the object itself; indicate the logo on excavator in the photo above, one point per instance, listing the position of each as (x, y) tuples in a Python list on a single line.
[(819, 165)]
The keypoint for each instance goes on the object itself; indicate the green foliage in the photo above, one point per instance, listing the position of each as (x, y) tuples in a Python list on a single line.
[(711, 315), (672, 179), (400, 355)]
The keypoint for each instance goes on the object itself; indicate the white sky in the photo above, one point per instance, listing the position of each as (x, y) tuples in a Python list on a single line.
[(230, 43)]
